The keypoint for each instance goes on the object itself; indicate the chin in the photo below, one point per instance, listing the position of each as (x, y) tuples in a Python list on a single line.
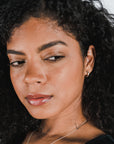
[(37, 114)]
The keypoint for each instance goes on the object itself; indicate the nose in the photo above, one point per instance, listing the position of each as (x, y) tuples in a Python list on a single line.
[(35, 74)]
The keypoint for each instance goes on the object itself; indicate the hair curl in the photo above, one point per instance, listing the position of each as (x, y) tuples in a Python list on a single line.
[(91, 24)]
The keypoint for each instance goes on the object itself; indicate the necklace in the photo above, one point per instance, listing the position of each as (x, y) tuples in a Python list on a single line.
[(71, 132)]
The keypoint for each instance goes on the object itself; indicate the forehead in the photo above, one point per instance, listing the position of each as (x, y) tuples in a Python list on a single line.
[(35, 25), (37, 30)]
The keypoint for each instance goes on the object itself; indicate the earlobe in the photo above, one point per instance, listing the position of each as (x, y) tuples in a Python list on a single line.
[(89, 60)]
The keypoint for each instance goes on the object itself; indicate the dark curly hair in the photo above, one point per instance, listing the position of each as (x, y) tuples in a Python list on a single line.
[(91, 24)]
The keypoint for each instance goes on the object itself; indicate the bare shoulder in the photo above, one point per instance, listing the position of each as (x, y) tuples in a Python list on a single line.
[(90, 132)]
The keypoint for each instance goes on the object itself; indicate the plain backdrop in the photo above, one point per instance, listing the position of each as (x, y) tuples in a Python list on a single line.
[(109, 5)]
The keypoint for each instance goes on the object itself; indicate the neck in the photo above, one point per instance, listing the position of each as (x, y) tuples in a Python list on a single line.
[(63, 123)]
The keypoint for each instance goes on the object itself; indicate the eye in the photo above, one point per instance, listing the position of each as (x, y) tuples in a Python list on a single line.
[(17, 63), (54, 58)]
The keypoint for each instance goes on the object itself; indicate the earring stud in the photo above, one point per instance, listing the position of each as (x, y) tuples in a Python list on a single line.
[(87, 74)]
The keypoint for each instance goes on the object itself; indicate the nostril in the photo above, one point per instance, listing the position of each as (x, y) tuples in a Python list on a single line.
[(39, 82)]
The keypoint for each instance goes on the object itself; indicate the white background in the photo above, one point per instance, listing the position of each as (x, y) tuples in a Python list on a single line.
[(109, 5)]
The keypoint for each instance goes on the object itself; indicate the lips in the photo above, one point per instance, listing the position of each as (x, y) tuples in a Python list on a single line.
[(38, 99)]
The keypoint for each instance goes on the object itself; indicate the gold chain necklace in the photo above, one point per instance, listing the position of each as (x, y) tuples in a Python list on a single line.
[(71, 132)]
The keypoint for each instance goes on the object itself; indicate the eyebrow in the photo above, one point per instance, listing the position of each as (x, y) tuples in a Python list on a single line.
[(41, 48), (49, 45), (15, 52)]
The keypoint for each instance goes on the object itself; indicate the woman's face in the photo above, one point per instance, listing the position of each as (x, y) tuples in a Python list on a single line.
[(46, 67)]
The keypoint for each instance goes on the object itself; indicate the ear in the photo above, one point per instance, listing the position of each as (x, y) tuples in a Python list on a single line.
[(89, 60)]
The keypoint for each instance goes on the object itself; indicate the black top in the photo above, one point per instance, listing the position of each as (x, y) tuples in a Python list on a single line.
[(103, 139)]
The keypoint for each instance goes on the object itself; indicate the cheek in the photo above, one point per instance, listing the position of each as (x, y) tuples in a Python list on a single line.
[(68, 78), (16, 79)]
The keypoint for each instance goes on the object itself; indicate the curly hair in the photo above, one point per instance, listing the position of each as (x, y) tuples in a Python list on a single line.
[(90, 24)]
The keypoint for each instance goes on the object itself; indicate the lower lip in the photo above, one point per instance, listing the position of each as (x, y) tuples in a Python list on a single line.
[(38, 101)]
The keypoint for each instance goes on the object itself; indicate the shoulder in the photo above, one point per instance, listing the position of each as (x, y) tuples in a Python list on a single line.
[(103, 139)]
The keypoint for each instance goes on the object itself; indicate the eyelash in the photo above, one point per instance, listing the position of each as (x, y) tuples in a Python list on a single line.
[(54, 58), (51, 59), (17, 63)]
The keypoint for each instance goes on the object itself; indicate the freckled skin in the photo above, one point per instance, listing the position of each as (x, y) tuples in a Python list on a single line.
[(62, 79)]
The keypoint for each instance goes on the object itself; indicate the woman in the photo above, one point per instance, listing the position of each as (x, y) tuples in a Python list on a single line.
[(59, 54)]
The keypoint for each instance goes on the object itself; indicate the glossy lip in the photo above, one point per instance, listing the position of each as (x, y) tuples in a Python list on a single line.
[(38, 99)]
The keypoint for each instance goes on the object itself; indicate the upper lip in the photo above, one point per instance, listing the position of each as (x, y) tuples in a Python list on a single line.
[(36, 96)]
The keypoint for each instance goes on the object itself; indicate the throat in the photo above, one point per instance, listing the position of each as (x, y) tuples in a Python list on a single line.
[(63, 123), (63, 128)]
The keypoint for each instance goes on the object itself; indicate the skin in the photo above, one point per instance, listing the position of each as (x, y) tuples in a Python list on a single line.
[(41, 73)]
